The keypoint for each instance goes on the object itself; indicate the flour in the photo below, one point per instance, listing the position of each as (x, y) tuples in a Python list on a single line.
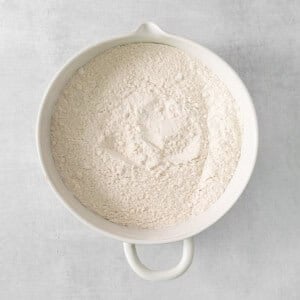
[(146, 136)]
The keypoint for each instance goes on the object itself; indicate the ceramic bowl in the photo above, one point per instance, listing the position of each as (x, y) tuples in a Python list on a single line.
[(150, 32)]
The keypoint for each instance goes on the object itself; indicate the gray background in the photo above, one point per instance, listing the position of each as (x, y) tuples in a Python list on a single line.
[(251, 253)]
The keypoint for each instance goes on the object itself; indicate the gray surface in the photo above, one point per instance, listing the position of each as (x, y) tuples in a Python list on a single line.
[(252, 253)]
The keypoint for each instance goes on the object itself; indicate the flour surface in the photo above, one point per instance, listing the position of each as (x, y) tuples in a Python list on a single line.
[(146, 136)]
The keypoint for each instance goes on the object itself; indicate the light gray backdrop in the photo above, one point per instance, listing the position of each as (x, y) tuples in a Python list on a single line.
[(251, 253)]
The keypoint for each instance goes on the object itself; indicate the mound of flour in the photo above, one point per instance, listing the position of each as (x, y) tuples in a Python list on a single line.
[(145, 135)]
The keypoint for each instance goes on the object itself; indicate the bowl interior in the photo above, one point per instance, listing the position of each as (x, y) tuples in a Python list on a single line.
[(195, 224)]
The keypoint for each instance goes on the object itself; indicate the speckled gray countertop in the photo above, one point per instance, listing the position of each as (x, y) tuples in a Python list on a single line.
[(251, 253)]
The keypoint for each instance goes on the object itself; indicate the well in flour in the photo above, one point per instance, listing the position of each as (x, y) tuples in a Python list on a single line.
[(145, 135)]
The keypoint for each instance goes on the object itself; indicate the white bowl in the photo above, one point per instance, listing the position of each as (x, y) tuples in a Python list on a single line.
[(150, 32)]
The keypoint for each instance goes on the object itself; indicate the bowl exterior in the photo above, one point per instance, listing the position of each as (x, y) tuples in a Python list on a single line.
[(149, 32)]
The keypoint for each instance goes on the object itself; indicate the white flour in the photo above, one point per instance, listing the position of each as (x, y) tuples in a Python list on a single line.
[(146, 136)]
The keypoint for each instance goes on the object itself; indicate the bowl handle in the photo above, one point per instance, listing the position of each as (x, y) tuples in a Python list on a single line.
[(145, 273)]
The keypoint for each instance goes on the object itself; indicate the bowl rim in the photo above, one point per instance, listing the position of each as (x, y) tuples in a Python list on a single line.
[(149, 29)]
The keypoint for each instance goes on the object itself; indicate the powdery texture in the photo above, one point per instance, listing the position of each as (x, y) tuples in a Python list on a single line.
[(145, 136)]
